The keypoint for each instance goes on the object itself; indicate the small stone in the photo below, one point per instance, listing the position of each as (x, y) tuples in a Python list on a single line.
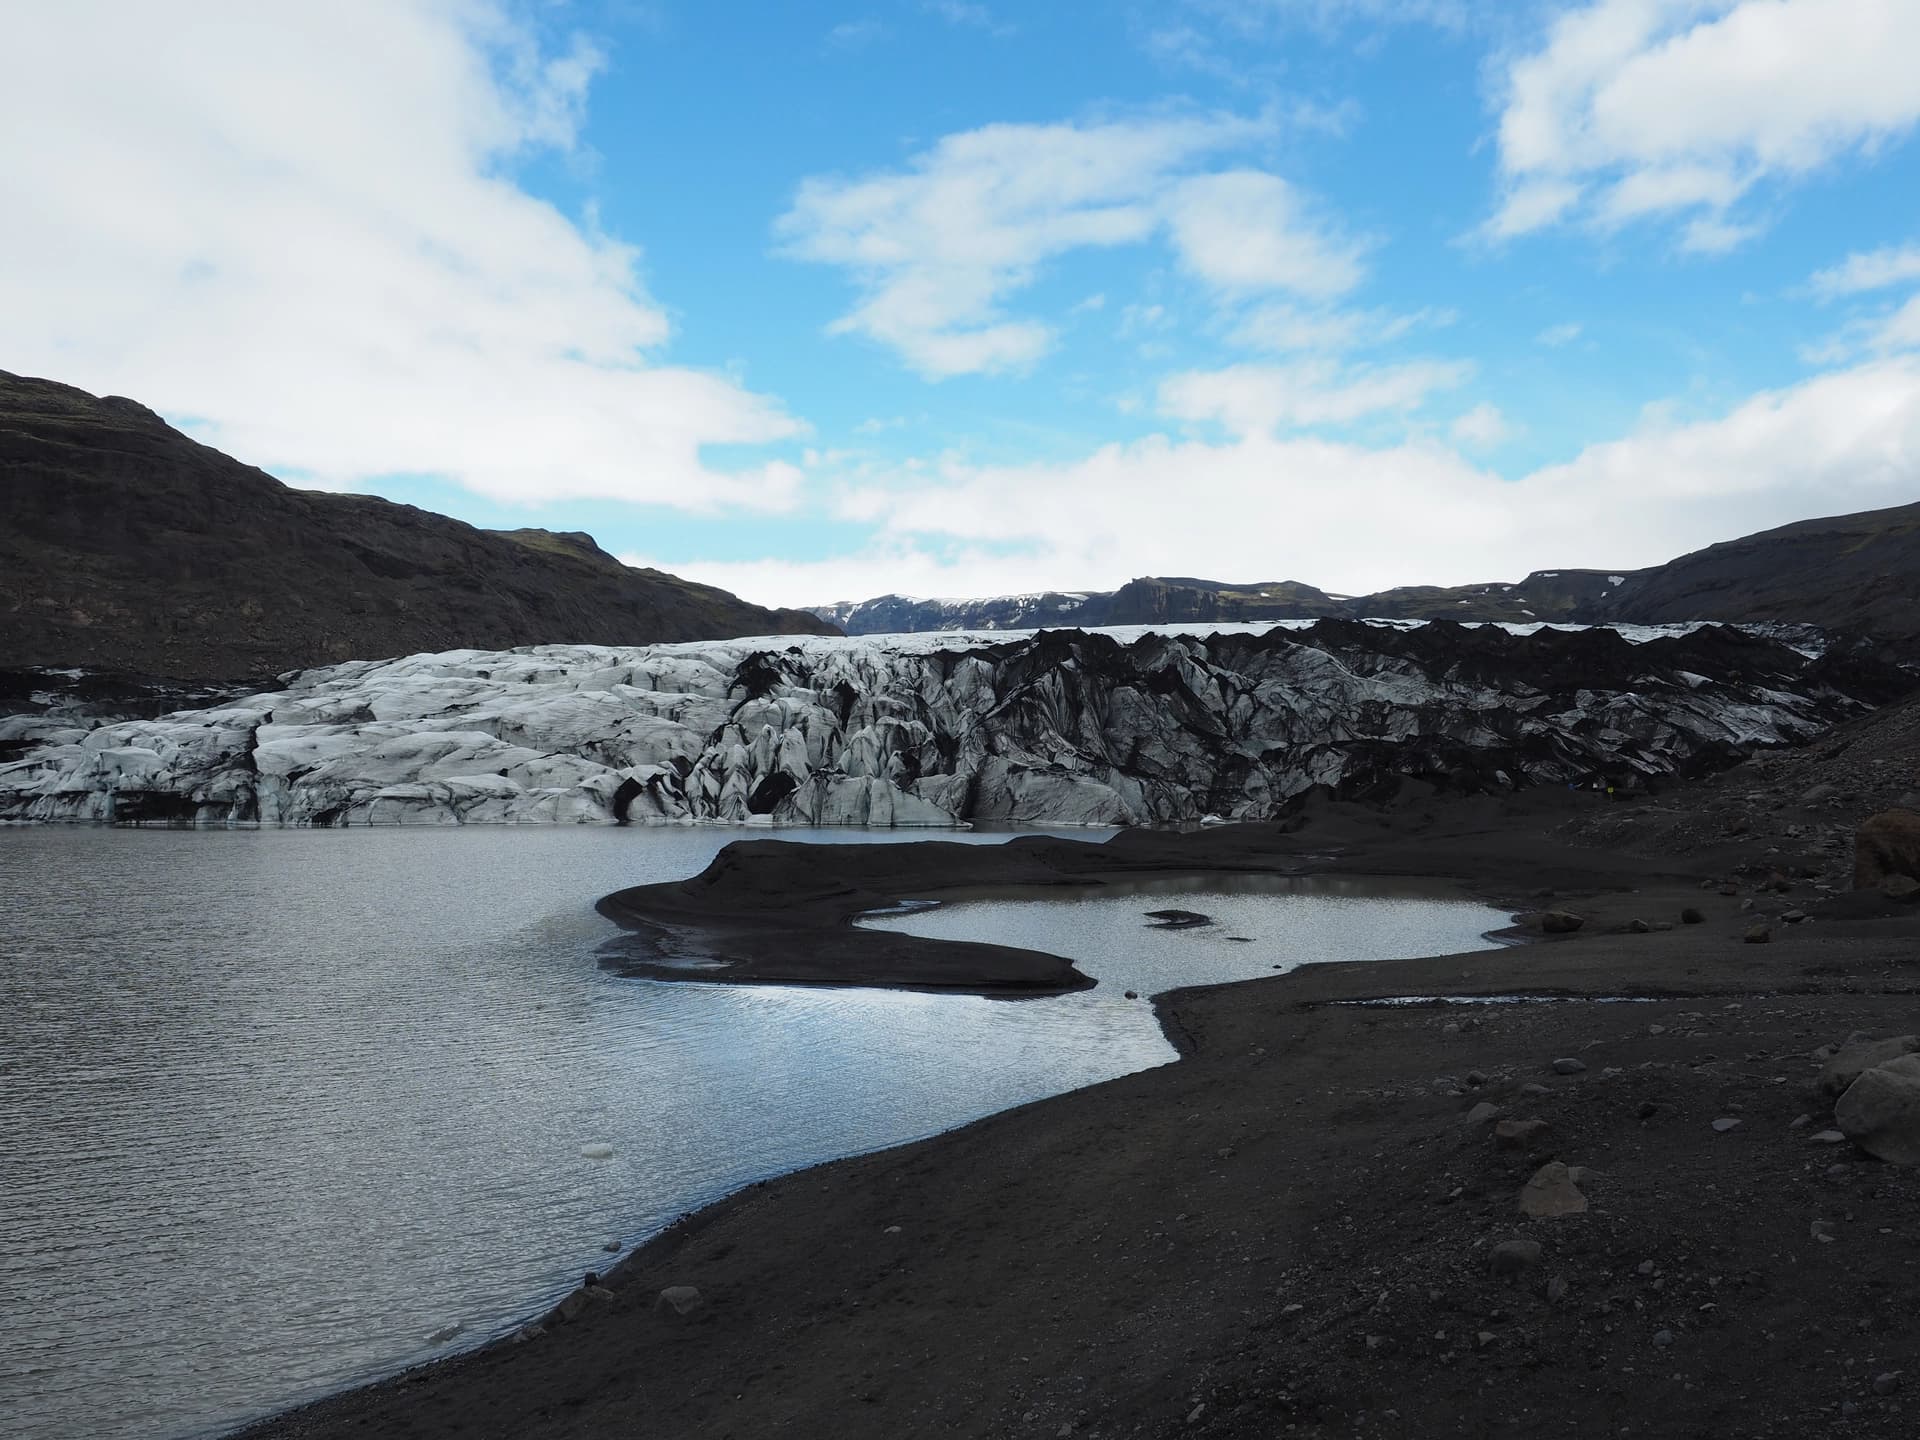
[(1761, 934), (1794, 917), (1476, 1077), (1691, 916), (1557, 1289), (1656, 1029), (1822, 1231), (1569, 1065), (1900, 887), (1511, 1257), (1639, 927), (1828, 1137), (1886, 1382), (1724, 1124), (612, 1247), (679, 1299), (1645, 1267), (1133, 994), (1800, 1122), (1533, 1089), (1663, 1338), (1561, 922), (1485, 1338), (891, 1230), (1485, 1113)]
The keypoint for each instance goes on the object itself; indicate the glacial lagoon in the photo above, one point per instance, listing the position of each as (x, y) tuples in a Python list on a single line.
[(284, 1110)]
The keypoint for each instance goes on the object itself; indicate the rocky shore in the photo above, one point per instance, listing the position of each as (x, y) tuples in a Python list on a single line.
[(1592, 1185)]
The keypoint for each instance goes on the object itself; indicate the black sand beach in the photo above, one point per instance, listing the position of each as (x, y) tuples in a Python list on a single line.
[(1300, 1227)]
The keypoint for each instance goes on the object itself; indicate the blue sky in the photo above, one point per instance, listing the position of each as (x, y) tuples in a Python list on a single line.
[(817, 301)]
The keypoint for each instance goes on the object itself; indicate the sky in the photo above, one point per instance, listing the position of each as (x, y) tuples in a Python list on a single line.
[(820, 301)]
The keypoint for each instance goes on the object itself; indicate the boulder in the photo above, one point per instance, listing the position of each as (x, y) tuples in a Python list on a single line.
[(1880, 1111), (1551, 1193), (1560, 922), (1886, 844), (1512, 1257), (1900, 887), (1859, 1056), (1519, 1134)]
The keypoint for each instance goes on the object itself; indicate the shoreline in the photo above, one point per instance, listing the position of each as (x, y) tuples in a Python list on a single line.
[(1024, 1273)]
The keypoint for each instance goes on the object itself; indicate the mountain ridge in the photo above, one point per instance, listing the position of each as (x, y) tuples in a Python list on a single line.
[(126, 545), (1857, 572)]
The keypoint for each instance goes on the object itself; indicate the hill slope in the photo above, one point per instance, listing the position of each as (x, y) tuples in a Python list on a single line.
[(1846, 572), (125, 545)]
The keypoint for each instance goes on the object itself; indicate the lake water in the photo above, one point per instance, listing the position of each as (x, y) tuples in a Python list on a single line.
[(1261, 925), (280, 1109)]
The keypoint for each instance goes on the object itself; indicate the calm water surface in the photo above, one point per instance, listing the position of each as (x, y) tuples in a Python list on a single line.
[(279, 1110)]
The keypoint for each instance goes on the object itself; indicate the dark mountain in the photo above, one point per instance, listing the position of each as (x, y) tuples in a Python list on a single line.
[(1569, 595), (126, 546), (1842, 572), (1856, 573)]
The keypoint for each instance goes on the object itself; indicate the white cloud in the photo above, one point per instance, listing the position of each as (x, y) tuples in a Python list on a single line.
[(1871, 270), (1634, 109), (295, 224), (1248, 399), (1482, 428), (1555, 336), (1354, 518), (1244, 231), (939, 247)]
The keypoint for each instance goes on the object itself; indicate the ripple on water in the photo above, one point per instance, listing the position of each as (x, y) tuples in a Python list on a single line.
[(284, 1110)]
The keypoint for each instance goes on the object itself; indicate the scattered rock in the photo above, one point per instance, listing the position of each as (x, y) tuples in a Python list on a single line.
[(1512, 1257), (1569, 1065), (1794, 917), (1533, 1089), (1880, 1112), (1551, 1193), (1900, 887), (1518, 1134), (1663, 1338), (1760, 934), (1886, 844), (1691, 916), (1485, 1113), (1724, 1124), (1859, 1055), (679, 1299), (1828, 1137), (1886, 1383), (1639, 927), (1561, 922)]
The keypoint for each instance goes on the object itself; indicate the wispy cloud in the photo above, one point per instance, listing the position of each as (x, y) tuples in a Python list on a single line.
[(1263, 399), (940, 247), (1871, 270), (1556, 336)]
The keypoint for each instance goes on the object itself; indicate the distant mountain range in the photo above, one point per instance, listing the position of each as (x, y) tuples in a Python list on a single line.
[(125, 545), (1857, 572), (1159, 600)]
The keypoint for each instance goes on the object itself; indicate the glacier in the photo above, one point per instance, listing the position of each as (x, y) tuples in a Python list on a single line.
[(1123, 727)]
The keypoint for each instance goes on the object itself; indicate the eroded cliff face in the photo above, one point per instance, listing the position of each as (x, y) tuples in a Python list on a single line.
[(1062, 727)]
